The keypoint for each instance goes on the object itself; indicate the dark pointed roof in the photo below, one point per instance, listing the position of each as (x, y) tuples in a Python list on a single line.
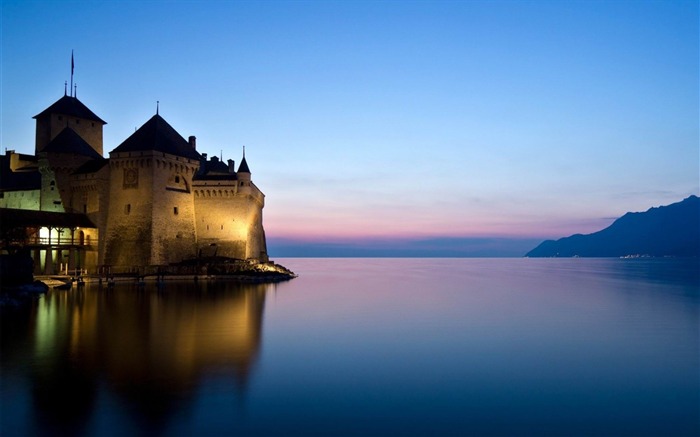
[(243, 168), (156, 134), (68, 105), (68, 141), (91, 166)]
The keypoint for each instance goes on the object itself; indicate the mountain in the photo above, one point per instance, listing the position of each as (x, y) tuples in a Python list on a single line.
[(672, 230)]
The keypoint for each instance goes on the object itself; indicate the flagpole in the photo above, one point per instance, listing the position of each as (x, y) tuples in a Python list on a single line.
[(72, 67)]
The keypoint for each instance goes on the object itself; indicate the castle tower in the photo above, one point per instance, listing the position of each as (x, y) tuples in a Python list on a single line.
[(69, 112), (57, 161), (228, 210), (151, 209), (256, 242)]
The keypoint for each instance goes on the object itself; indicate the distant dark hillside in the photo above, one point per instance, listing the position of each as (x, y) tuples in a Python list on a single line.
[(672, 230)]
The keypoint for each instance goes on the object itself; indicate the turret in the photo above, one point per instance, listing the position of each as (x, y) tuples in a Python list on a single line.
[(244, 172)]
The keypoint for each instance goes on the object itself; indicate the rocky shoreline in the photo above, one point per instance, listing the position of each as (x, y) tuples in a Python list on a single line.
[(212, 268)]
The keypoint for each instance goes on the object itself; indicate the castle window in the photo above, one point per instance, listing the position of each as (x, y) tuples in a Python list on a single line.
[(175, 210), (92, 124), (77, 121), (222, 227), (127, 208), (177, 179), (84, 209)]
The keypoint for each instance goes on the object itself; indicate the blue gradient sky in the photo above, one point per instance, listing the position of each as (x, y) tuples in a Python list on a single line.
[(507, 119)]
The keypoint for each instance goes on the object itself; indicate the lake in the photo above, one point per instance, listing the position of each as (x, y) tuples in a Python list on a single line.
[(413, 347)]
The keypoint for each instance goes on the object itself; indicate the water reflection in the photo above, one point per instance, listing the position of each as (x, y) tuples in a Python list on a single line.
[(151, 347), (406, 347)]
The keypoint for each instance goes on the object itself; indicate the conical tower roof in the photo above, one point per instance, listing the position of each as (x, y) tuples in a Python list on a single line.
[(243, 168), (156, 134)]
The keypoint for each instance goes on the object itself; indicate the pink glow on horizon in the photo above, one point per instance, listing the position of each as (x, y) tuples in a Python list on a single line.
[(317, 229)]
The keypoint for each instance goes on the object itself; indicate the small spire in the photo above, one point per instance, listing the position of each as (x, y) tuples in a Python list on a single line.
[(243, 167), (157, 106), (75, 90), (65, 88), (221, 155)]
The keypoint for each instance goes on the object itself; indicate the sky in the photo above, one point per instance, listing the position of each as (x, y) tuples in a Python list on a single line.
[(387, 127)]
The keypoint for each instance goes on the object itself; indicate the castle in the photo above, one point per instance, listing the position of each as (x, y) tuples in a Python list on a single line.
[(155, 201)]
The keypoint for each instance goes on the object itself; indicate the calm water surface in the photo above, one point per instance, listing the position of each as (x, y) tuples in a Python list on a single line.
[(367, 347)]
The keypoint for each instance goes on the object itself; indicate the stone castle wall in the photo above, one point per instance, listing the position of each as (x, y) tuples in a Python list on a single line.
[(90, 196), (229, 219), (174, 237), (21, 199), (151, 210), (128, 232)]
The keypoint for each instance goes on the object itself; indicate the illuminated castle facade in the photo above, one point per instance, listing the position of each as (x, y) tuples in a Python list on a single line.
[(155, 201)]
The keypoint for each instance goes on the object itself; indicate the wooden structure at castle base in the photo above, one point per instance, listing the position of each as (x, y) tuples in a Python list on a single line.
[(57, 242)]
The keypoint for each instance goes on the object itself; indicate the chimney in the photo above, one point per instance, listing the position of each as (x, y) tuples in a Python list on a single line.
[(193, 142), (231, 166), (204, 156)]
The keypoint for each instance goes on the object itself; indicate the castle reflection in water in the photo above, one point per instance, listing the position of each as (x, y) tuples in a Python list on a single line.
[(148, 348)]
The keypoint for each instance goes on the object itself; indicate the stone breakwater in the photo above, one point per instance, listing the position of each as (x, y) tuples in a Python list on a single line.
[(213, 267)]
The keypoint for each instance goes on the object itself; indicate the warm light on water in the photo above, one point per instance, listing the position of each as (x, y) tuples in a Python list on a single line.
[(367, 347)]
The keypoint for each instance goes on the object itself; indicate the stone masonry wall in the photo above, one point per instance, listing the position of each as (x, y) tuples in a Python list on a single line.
[(229, 222), (128, 233), (173, 233), (21, 199)]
